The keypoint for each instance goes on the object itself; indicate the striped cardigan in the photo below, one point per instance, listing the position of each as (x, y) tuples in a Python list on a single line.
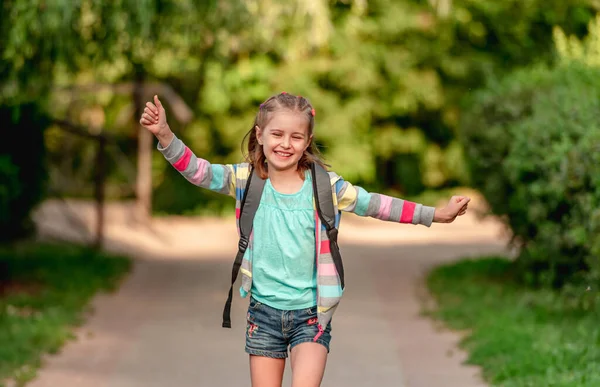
[(231, 179)]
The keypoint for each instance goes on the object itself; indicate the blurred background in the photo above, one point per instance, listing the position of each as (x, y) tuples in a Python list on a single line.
[(414, 98)]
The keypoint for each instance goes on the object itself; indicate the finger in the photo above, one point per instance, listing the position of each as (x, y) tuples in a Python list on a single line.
[(145, 122), (149, 118), (157, 102), (463, 199), (152, 107), (151, 113)]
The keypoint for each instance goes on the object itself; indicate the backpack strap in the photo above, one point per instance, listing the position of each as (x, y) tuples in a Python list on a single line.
[(249, 206), (324, 201)]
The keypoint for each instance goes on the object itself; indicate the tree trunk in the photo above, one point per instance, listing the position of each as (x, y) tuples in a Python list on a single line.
[(99, 188), (144, 169)]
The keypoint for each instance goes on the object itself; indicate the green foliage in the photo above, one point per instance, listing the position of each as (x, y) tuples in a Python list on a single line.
[(385, 76), (44, 293), (586, 51), (519, 336), (41, 39), (386, 81), (533, 140), (22, 168)]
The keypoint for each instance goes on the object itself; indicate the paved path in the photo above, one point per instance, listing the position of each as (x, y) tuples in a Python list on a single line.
[(163, 326)]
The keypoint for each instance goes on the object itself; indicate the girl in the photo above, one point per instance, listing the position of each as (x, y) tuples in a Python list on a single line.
[(293, 295)]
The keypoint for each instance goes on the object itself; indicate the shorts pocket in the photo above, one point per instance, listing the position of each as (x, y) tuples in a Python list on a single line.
[(254, 305), (310, 316)]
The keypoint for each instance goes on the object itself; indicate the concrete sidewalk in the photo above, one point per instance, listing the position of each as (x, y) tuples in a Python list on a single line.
[(163, 326)]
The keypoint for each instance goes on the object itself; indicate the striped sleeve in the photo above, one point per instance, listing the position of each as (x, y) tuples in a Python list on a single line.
[(357, 200), (216, 177)]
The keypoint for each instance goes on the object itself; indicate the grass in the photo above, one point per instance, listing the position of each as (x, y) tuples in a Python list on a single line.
[(519, 336), (44, 293)]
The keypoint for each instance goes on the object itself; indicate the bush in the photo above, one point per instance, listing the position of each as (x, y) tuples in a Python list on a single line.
[(533, 143), (22, 168)]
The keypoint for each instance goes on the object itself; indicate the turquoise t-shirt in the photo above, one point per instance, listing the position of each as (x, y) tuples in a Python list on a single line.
[(283, 251)]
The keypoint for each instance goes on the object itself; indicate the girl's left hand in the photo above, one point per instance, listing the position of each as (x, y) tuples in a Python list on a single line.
[(457, 206)]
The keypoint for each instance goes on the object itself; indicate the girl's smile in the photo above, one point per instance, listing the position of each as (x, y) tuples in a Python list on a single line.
[(284, 139)]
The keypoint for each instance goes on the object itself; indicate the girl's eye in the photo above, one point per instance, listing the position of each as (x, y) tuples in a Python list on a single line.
[(297, 138), (277, 134)]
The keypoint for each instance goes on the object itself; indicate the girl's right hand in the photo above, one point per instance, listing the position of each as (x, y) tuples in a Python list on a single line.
[(154, 118)]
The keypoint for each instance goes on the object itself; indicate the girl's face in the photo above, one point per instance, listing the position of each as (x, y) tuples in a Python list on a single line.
[(284, 139)]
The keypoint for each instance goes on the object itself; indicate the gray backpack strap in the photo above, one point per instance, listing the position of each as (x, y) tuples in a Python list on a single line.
[(249, 206), (324, 200)]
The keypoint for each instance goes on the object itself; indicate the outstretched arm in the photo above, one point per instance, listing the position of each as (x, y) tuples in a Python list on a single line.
[(357, 200), (216, 177)]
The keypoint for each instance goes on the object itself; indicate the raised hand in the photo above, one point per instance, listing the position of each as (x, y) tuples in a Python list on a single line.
[(154, 117), (457, 206)]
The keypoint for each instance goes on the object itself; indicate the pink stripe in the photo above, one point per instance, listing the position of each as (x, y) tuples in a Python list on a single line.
[(199, 175), (317, 234), (408, 211), (328, 269), (237, 213), (325, 249), (384, 208), (183, 162)]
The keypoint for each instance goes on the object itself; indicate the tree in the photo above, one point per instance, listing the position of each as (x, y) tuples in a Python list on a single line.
[(386, 77), (538, 160), (46, 40)]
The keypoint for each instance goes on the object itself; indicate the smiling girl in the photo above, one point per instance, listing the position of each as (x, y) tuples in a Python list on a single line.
[(293, 295)]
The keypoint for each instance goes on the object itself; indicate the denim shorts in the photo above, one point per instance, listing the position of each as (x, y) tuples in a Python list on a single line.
[(270, 331)]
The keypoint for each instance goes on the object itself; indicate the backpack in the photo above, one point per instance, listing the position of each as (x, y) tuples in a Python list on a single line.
[(324, 202)]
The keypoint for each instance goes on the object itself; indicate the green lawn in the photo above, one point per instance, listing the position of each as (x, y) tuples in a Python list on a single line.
[(519, 336), (44, 292)]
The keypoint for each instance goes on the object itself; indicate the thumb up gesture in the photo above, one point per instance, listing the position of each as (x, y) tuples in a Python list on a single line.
[(154, 117)]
